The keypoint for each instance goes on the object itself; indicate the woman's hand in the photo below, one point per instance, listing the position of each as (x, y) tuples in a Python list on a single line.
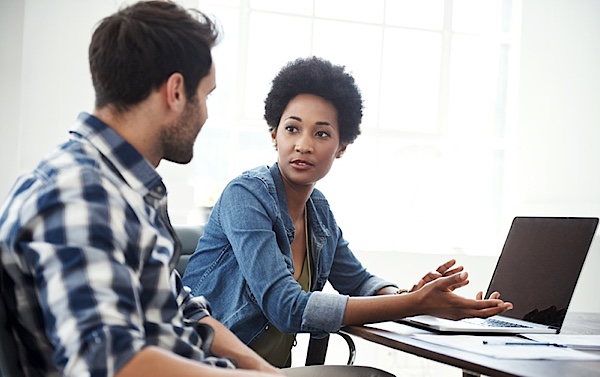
[(437, 298), (443, 270)]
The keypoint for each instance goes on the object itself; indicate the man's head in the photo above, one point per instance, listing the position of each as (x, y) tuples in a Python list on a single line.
[(177, 137), (135, 51)]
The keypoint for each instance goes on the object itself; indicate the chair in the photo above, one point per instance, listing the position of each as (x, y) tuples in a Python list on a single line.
[(189, 236), (9, 361), (317, 348)]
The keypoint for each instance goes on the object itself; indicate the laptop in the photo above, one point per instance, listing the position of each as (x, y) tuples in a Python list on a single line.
[(537, 272)]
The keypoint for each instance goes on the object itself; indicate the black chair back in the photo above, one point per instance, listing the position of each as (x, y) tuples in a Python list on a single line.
[(189, 236), (9, 361)]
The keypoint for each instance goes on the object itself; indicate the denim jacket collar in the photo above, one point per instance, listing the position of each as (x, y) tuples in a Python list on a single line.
[(282, 200)]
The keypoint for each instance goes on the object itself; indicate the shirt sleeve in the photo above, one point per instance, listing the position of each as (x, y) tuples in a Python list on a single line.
[(194, 307), (324, 312)]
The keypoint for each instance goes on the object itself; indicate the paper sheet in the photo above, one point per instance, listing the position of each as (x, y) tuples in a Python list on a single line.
[(397, 328), (497, 349), (580, 342)]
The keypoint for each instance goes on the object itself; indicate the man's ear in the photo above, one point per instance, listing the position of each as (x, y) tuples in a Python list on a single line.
[(341, 151), (175, 92)]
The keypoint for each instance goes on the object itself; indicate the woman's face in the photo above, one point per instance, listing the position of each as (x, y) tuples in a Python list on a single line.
[(307, 140)]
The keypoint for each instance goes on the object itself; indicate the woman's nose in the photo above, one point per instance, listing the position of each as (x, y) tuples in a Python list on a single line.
[(304, 145)]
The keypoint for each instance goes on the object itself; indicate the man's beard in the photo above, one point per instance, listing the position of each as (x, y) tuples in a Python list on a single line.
[(178, 139)]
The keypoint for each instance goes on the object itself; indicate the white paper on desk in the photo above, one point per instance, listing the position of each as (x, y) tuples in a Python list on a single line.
[(397, 328), (473, 343), (580, 342)]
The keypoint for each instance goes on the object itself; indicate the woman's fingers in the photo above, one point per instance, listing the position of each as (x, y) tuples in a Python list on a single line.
[(491, 308), (453, 271), (431, 276), (450, 283), (446, 266), (442, 270)]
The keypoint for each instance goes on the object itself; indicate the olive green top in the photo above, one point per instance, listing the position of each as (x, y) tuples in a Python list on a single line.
[(273, 345)]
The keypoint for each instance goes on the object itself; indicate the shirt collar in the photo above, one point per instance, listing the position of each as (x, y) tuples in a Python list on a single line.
[(127, 161)]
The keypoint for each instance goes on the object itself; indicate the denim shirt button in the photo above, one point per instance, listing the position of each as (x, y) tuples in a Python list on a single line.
[(266, 327)]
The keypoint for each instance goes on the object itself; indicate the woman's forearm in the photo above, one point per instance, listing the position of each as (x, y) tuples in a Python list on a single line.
[(380, 308)]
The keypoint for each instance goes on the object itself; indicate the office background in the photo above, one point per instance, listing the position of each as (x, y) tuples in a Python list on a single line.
[(44, 83)]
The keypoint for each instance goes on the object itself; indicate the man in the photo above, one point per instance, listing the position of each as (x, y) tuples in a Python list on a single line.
[(86, 244)]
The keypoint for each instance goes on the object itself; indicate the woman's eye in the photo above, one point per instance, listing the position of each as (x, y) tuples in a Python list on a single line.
[(322, 134), (291, 128)]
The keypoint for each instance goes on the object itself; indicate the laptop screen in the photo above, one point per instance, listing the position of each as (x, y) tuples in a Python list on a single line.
[(540, 265)]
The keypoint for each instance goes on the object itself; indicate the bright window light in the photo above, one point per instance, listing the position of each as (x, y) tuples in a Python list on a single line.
[(428, 174)]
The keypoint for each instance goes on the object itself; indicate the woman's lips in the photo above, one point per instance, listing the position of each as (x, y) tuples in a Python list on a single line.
[(301, 164)]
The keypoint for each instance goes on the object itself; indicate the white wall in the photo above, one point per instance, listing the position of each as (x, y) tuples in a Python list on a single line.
[(558, 136), (11, 50), (45, 76)]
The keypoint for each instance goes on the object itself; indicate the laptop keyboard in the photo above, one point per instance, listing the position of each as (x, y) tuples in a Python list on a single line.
[(492, 322)]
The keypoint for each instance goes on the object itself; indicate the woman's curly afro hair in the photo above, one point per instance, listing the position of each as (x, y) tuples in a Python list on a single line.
[(319, 77)]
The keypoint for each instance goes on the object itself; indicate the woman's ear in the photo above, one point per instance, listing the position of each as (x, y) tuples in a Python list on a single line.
[(341, 151), (274, 138)]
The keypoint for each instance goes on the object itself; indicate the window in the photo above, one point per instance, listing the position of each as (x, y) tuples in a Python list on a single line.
[(430, 170)]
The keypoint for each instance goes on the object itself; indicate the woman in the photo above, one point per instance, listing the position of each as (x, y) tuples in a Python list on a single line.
[(271, 242)]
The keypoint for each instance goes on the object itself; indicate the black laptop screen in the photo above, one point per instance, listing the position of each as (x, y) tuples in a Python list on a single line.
[(540, 265)]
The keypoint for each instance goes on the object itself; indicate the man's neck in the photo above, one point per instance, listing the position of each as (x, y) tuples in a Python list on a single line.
[(140, 126)]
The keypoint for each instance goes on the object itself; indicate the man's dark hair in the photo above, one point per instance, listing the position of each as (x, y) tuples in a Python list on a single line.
[(134, 51), (321, 78)]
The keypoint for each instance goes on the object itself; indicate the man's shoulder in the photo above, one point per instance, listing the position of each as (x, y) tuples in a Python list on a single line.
[(70, 166), (60, 177), (69, 156)]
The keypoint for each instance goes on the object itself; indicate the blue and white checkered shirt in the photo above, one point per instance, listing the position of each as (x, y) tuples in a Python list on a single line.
[(88, 254)]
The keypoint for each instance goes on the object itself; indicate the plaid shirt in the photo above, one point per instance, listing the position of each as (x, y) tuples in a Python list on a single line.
[(88, 254)]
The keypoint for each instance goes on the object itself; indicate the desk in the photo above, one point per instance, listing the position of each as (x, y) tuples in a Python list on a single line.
[(474, 364)]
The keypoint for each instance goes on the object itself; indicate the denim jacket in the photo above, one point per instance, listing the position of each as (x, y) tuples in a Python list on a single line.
[(243, 263)]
